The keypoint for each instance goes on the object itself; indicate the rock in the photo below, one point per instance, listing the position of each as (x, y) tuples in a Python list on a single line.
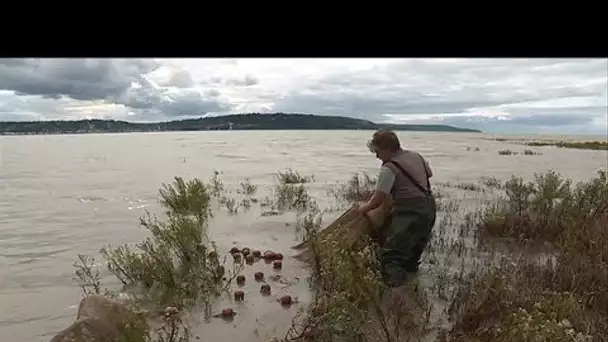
[(101, 319), (227, 313), (286, 300), (265, 289), (237, 257), (269, 255)]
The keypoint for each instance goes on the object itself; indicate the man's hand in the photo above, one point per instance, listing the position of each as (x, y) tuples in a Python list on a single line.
[(363, 208), (377, 199)]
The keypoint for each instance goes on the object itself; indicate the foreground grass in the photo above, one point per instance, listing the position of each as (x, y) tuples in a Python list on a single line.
[(350, 302), (521, 295), (560, 296)]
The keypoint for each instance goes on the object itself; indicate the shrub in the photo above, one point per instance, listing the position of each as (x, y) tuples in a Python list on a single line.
[(543, 210), (360, 187), (291, 192), (562, 296), (177, 265)]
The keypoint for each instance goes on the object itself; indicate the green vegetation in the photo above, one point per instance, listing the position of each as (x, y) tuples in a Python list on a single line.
[(253, 121), (359, 188), (466, 186), (585, 145), (531, 153), (544, 209), (506, 152), (562, 296), (177, 267), (351, 302), (491, 281)]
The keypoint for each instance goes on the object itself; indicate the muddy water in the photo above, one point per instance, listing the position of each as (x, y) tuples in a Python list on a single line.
[(63, 195)]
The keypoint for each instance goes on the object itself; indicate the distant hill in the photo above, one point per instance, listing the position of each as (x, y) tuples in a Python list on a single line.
[(254, 121)]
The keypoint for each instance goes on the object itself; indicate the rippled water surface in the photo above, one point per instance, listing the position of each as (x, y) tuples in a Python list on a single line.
[(63, 195)]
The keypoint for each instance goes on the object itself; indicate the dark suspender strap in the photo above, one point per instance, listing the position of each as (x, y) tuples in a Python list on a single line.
[(428, 182), (405, 173)]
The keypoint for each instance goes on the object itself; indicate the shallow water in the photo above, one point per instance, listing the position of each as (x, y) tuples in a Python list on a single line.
[(63, 195)]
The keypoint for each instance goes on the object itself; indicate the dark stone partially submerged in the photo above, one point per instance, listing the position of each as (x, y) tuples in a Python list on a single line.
[(101, 319)]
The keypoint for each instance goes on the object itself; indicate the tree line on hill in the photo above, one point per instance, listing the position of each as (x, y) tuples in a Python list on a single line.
[(255, 121)]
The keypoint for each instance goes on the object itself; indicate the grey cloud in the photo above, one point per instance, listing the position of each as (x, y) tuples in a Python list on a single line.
[(80, 79), (551, 120), (543, 123), (246, 81), (438, 87), (212, 93), (120, 81), (181, 79), (585, 113), (192, 103), (576, 87), (376, 106), (152, 100)]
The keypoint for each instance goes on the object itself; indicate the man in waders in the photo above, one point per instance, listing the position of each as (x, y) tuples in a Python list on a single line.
[(404, 175)]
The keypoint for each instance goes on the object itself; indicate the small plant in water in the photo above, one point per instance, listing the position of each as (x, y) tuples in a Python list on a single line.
[(247, 188), (86, 275), (216, 186), (360, 187), (291, 192), (290, 176), (173, 328), (174, 266), (530, 153)]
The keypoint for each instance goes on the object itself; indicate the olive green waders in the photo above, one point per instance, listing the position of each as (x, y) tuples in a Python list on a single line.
[(404, 237)]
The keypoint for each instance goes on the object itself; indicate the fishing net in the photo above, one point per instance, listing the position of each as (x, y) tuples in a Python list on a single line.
[(347, 231)]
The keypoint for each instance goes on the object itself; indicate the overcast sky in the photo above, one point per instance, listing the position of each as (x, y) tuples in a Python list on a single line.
[(495, 95)]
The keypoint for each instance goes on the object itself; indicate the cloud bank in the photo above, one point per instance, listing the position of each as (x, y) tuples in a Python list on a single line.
[(496, 95)]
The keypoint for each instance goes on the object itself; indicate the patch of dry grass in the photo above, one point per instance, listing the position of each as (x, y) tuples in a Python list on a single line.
[(562, 296), (350, 302), (546, 209)]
